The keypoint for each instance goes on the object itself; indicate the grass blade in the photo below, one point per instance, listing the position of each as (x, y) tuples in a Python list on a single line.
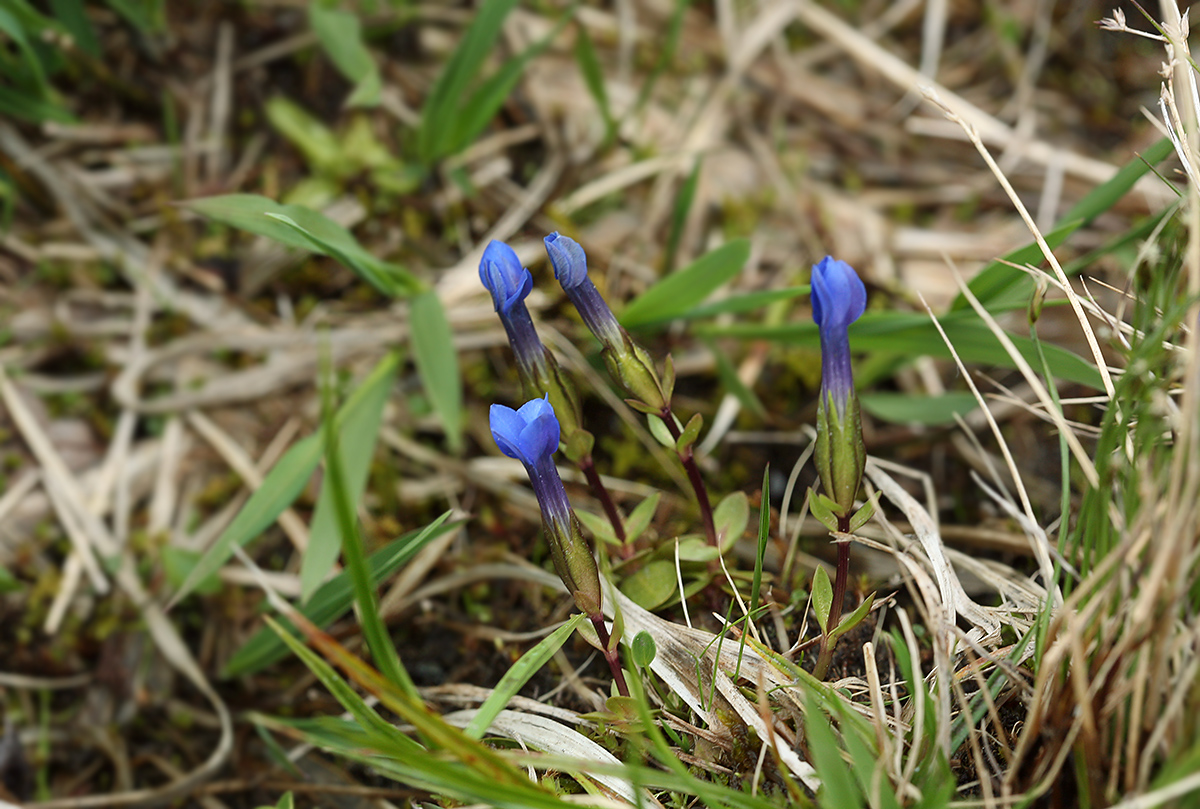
[(683, 290), (356, 438), (437, 363)]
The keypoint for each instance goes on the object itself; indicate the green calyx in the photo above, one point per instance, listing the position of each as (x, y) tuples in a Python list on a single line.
[(632, 369), (840, 453), (575, 565)]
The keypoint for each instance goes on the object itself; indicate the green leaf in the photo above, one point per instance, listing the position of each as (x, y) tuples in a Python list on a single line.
[(838, 789), (311, 136), (279, 489), (683, 290), (822, 597), (1000, 286), (8, 583), (520, 673), (652, 585), (390, 279), (823, 509), (862, 515), (599, 527), (733, 383), (356, 437), (746, 302), (692, 548), (910, 335), (593, 77), (437, 362), (306, 229), (179, 562), (853, 619), (639, 519), (449, 92), (730, 518), (658, 429), (904, 408), (333, 598), (340, 34), (644, 649), (343, 502), (73, 17)]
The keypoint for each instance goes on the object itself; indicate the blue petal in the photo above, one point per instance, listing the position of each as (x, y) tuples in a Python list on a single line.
[(539, 439), (506, 426), (501, 272), (838, 295), (568, 258)]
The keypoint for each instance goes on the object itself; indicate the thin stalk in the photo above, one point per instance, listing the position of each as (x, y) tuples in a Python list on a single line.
[(600, 491), (688, 459), (612, 656)]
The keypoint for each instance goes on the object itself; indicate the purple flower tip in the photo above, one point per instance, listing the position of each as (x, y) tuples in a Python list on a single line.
[(838, 295), (529, 434), (501, 272), (570, 263)]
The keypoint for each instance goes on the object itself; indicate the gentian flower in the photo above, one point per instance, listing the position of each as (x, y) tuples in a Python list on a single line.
[(530, 435), (627, 362), (838, 299), (501, 272)]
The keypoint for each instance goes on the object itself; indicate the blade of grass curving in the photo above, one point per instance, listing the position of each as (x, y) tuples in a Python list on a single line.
[(679, 214), (343, 502), (669, 45), (279, 489), (903, 408), (688, 287), (746, 302), (369, 721), (518, 674), (909, 334), (867, 770), (733, 383), (408, 707), (356, 437), (340, 34), (479, 109), (838, 789), (999, 285), (390, 279), (450, 88), (437, 362), (334, 598), (305, 229), (593, 77)]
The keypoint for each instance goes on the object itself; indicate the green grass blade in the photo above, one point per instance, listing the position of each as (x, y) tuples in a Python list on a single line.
[(909, 335), (838, 789), (683, 290), (340, 34), (445, 97), (279, 489), (333, 599), (344, 502), (1000, 285), (679, 213), (903, 408), (73, 17), (746, 302), (593, 77), (520, 673), (304, 229), (437, 362), (356, 437)]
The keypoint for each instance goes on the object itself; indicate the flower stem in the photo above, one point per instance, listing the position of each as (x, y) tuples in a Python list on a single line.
[(610, 655), (588, 467), (688, 459)]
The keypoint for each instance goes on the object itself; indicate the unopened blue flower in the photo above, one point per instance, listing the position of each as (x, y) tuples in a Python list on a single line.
[(570, 268), (838, 299), (501, 272), (628, 363), (530, 435)]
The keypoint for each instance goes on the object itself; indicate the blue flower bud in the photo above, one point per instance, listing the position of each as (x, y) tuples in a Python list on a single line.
[(628, 363), (501, 272), (838, 299), (530, 435)]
